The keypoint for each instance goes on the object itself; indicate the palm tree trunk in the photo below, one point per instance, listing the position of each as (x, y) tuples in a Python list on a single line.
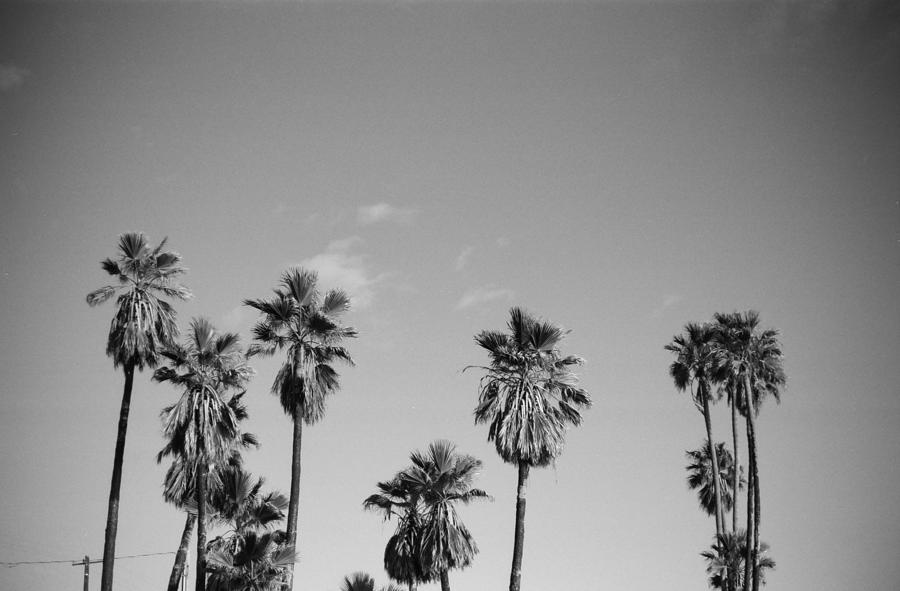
[(715, 460), (181, 555), (112, 514), (445, 580), (294, 503), (751, 477), (756, 504), (515, 575), (735, 480), (200, 584)]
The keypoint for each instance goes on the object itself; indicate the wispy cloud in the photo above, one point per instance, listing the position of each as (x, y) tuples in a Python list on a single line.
[(12, 77), (463, 259), (669, 300), (341, 268), (482, 295), (503, 242), (384, 212)]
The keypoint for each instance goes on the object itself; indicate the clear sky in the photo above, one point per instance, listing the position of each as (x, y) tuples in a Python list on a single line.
[(619, 168)]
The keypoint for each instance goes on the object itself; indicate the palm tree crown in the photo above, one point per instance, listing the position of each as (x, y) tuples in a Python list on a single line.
[(701, 476), (299, 320), (529, 392), (144, 324)]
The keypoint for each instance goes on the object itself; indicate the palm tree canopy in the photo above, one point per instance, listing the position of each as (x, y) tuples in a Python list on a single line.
[(529, 392), (700, 476), (305, 324), (696, 360), (202, 424), (725, 559), (749, 354), (440, 478), (144, 323)]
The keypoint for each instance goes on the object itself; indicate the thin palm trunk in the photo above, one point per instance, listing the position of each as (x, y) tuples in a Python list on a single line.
[(515, 575), (715, 460), (751, 483), (181, 555), (202, 470), (294, 503), (737, 464), (112, 514), (754, 466), (445, 580)]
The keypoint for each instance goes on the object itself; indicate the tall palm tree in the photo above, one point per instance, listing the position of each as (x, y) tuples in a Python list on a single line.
[(725, 561), (701, 476), (696, 365), (753, 357), (527, 397), (441, 478), (306, 326), (142, 326), (201, 426), (178, 487)]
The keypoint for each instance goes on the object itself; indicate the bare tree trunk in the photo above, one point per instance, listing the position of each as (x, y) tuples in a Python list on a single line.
[(445, 580), (294, 503), (515, 575), (112, 514), (202, 469), (704, 387), (181, 555), (756, 503)]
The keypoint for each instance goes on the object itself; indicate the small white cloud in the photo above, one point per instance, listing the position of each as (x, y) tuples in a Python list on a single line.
[(502, 242), (463, 259), (339, 268), (483, 295), (384, 212), (669, 300), (12, 77)]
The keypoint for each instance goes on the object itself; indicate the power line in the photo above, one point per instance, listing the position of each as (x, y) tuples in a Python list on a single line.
[(32, 562)]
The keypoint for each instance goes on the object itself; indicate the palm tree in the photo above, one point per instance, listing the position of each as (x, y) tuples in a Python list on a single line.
[(753, 358), (201, 426), (440, 477), (178, 487), (252, 554), (403, 553), (695, 363), (725, 561), (701, 476), (143, 325), (304, 324), (527, 396), (361, 581)]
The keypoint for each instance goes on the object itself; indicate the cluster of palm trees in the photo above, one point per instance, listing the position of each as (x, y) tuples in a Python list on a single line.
[(202, 428), (528, 396), (730, 358)]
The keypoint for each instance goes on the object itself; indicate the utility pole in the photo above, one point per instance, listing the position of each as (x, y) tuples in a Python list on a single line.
[(87, 570)]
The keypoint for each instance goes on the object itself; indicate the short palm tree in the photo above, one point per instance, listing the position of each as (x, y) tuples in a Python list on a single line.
[(441, 478), (696, 366), (361, 581), (725, 561), (306, 326), (201, 426), (527, 397), (252, 554), (397, 498), (753, 358), (143, 325), (178, 487), (701, 476)]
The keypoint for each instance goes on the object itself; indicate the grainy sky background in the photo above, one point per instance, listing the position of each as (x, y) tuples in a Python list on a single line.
[(620, 168)]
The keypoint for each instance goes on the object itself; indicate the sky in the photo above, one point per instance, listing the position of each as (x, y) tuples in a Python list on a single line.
[(618, 168)]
